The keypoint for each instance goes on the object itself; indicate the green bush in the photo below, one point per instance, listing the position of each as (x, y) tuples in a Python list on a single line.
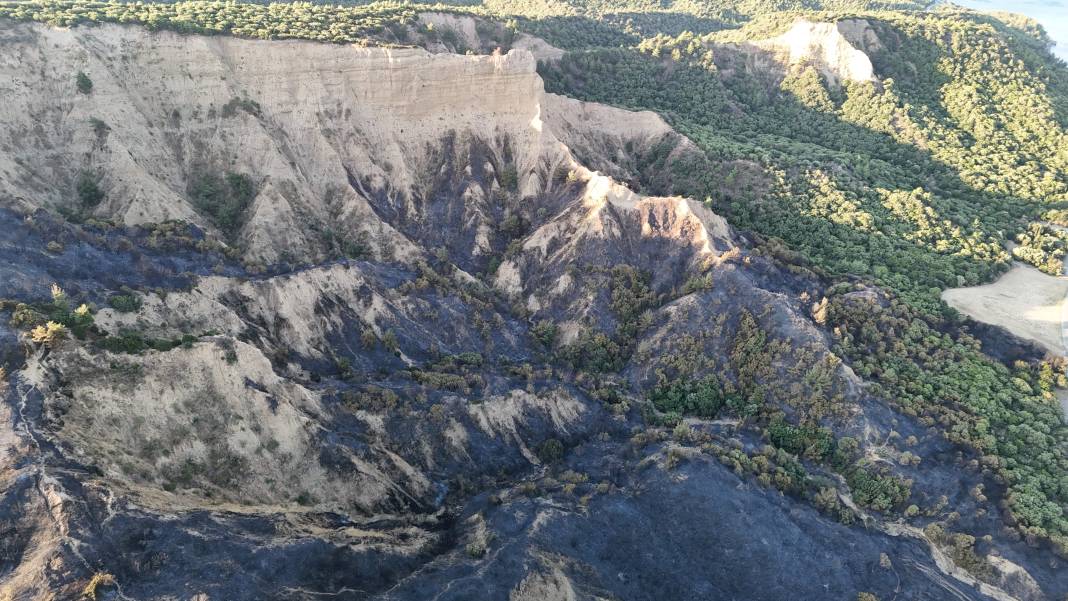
[(881, 492), (509, 178), (551, 451), (85, 85), (241, 104), (475, 550), (89, 191), (125, 303), (812, 442), (544, 332), (223, 198), (593, 352), (374, 399), (134, 343)]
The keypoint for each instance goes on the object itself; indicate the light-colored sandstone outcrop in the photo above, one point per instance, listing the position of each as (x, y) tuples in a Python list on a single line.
[(826, 46), (838, 50), (329, 134)]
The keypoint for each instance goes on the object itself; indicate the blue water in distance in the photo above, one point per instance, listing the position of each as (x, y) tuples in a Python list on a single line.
[(1052, 14)]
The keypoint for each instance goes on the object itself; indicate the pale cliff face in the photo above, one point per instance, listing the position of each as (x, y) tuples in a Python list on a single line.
[(829, 46), (330, 135), (321, 113), (839, 51)]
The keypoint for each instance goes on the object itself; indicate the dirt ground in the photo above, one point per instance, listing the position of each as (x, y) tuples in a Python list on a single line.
[(1024, 301)]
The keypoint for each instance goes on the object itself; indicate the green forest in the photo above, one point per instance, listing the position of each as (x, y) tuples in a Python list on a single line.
[(917, 181)]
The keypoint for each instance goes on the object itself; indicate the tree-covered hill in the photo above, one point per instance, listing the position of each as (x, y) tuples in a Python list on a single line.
[(917, 181)]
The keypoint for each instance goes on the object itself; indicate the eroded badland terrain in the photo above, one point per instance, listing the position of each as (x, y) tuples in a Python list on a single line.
[(285, 319)]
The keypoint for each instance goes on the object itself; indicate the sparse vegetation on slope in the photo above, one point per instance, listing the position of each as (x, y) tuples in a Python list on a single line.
[(224, 198)]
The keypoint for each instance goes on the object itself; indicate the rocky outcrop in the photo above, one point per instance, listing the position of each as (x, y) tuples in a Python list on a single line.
[(838, 50), (672, 238), (831, 47), (542, 50)]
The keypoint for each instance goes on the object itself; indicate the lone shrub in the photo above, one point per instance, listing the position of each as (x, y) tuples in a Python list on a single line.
[(544, 332), (100, 128), (89, 189), (98, 580), (224, 199), (389, 340), (49, 334), (475, 550), (240, 104), (85, 85), (509, 178), (551, 451)]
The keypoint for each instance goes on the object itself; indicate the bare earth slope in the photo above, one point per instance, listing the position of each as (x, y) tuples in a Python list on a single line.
[(1026, 302)]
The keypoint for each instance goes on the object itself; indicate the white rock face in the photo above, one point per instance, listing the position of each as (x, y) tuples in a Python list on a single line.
[(463, 26), (542, 50), (321, 129), (590, 129), (831, 47), (318, 127)]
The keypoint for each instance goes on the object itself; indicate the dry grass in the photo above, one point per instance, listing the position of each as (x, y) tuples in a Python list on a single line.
[(100, 579)]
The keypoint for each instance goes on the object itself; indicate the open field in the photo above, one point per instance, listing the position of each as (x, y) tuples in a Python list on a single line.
[(1024, 301)]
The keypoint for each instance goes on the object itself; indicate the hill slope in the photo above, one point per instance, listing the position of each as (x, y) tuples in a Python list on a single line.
[(395, 323)]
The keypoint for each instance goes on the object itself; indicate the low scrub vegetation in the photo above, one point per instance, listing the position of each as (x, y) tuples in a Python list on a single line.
[(224, 198)]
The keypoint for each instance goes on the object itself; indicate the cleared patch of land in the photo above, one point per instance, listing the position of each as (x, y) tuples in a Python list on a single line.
[(1024, 301)]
